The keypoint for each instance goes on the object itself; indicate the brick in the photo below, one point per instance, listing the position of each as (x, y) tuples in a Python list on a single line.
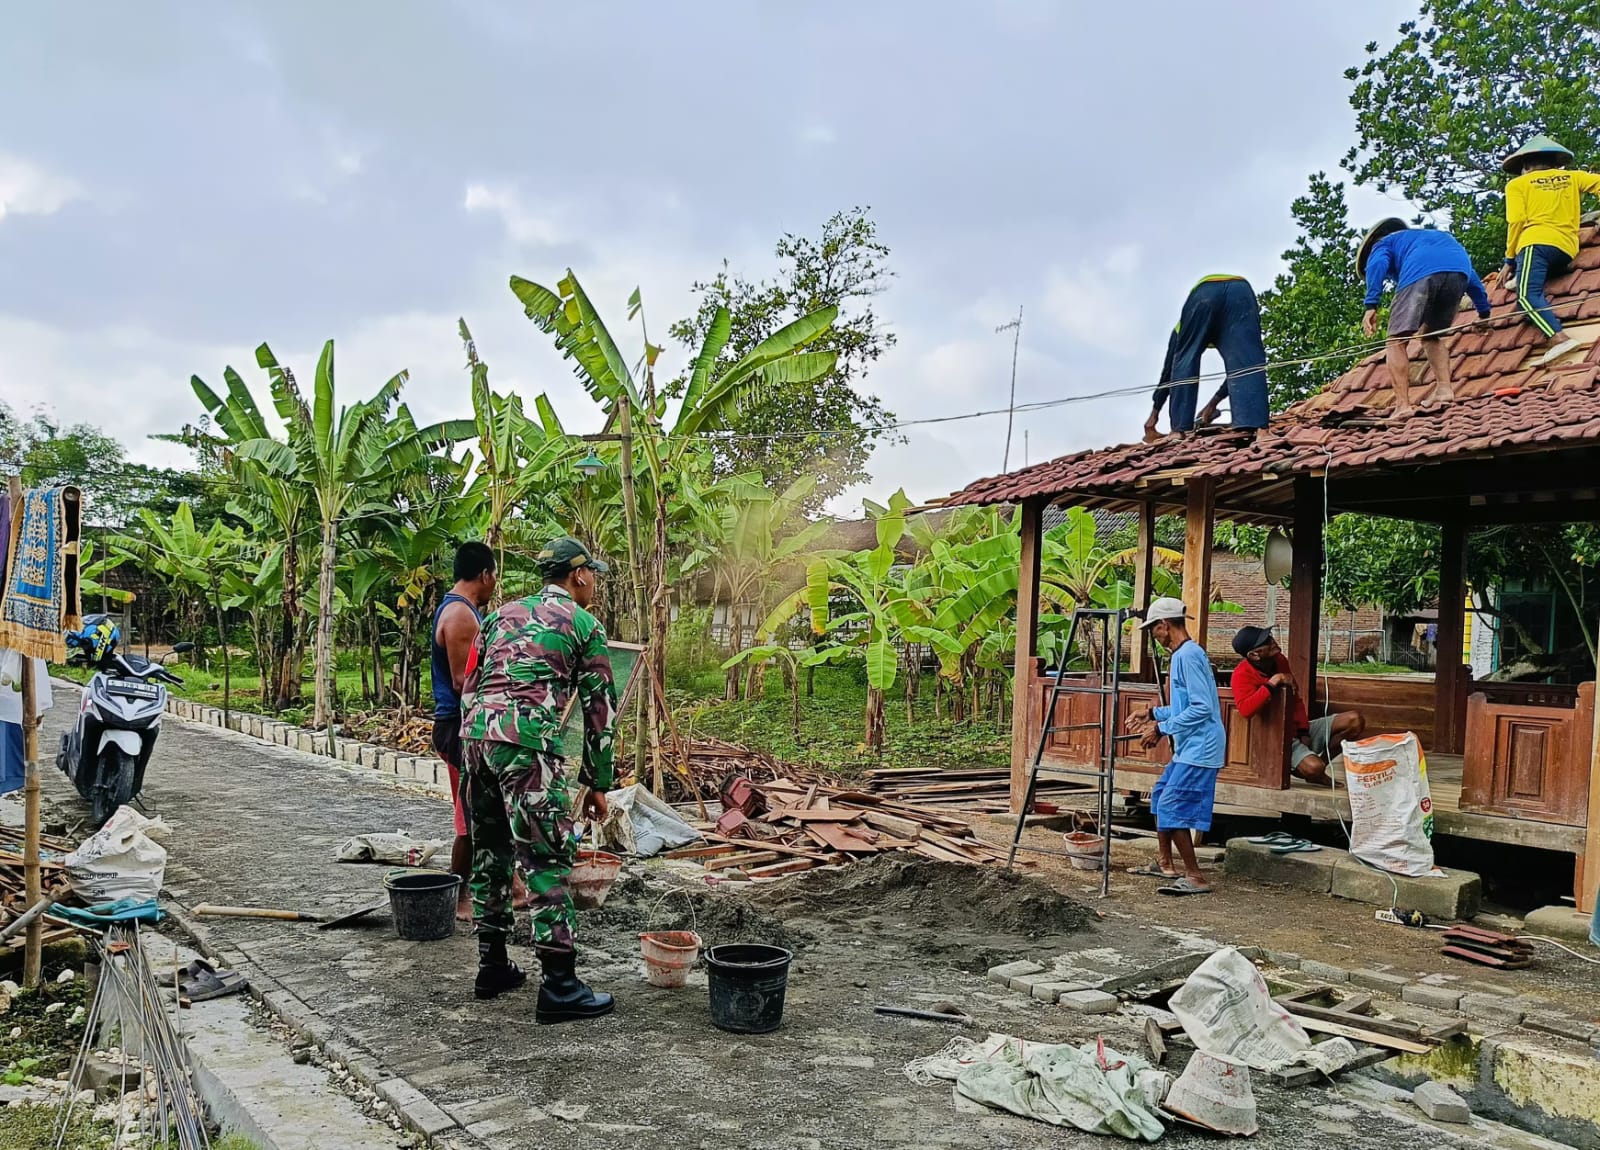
[(1090, 1002), (1433, 997), (1441, 1103), (1378, 980), (1492, 1008), (1325, 971), (1006, 971)]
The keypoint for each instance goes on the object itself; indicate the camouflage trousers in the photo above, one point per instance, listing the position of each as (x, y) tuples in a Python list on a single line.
[(522, 818)]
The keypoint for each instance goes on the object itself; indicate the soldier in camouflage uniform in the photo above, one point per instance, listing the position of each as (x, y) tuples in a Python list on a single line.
[(530, 657)]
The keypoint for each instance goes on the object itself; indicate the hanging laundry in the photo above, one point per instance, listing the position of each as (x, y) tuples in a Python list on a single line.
[(39, 602)]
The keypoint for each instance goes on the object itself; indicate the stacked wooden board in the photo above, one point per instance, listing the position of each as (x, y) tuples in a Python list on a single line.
[(800, 825), (53, 873), (982, 789)]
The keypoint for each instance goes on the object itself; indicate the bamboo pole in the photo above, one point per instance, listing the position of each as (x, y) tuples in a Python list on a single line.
[(33, 884)]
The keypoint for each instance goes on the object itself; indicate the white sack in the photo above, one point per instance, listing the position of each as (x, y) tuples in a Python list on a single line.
[(120, 860), (1226, 1009), (1391, 811)]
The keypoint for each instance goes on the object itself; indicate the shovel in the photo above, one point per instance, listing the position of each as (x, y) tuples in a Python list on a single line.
[(322, 921)]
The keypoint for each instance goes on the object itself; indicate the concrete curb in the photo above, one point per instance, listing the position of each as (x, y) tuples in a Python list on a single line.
[(419, 1115)]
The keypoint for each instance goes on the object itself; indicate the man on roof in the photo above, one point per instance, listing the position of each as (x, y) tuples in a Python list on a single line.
[(1431, 271), (1221, 312), (1543, 209), (1264, 672)]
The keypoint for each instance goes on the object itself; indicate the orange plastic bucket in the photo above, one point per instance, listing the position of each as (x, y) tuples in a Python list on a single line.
[(591, 878), (668, 956)]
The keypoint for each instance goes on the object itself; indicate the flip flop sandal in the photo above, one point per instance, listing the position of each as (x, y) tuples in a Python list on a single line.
[(195, 969), (1274, 837), (1297, 847), (213, 984), (1152, 870), (1182, 887)]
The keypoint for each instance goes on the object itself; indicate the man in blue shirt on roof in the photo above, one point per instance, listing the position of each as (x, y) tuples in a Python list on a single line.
[(1187, 789), (1431, 272)]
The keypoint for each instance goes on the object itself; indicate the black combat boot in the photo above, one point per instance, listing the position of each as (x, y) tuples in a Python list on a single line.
[(563, 997), (496, 973)]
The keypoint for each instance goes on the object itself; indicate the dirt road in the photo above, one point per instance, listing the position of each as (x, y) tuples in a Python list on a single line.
[(260, 824)]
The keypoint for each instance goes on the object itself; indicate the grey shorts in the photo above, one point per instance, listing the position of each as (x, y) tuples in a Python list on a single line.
[(1321, 731), (1430, 304)]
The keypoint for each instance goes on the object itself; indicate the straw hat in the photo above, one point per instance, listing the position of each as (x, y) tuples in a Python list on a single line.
[(1214, 1092), (1382, 228), (1538, 146)]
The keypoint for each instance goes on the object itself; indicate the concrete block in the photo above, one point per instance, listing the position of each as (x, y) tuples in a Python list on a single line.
[(389, 763), (350, 752), (302, 740), (1326, 971), (319, 743), (1504, 923), (369, 754), (1493, 1008), (414, 1108), (1454, 895), (1433, 997), (1090, 1001), (1052, 991), (1391, 984), (1441, 1103), (1024, 983), (105, 1075), (1284, 959), (282, 734), (1006, 971), (1312, 872), (236, 722), (1566, 1026), (1562, 922)]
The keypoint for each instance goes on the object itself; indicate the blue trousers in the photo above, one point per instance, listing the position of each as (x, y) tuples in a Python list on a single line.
[(1536, 264), (1222, 314), (13, 770)]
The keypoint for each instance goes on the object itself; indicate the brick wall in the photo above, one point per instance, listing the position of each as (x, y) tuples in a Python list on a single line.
[(1353, 634)]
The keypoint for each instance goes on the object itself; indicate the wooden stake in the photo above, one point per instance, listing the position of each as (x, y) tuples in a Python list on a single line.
[(1022, 732)]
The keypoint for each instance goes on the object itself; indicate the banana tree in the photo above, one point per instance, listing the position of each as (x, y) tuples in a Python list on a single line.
[(338, 459)]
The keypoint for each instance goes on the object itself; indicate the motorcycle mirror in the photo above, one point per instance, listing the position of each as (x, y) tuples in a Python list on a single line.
[(182, 648)]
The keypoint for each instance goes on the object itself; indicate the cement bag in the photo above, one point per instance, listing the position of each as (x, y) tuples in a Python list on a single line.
[(1226, 1009), (1391, 812), (638, 823), (120, 860), (397, 849)]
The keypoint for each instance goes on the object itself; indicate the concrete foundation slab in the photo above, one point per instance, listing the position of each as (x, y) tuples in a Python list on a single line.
[(1561, 922), (1313, 872), (1454, 895)]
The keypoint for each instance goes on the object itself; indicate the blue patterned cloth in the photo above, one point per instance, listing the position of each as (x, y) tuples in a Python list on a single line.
[(34, 612)]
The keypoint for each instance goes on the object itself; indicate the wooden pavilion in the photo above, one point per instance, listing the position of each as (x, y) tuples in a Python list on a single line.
[(1508, 762)]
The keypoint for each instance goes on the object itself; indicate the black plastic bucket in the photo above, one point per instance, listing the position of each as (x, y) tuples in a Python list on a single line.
[(424, 904), (748, 981)]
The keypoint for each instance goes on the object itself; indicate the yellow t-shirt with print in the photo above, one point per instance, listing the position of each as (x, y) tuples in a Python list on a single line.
[(1543, 207)]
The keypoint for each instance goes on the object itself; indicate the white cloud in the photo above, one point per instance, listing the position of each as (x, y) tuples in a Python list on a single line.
[(1098, 303), (523, 226), (818, 134), (27, 189)]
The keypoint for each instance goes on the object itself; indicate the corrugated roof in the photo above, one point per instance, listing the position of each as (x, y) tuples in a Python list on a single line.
[(1344, 429)]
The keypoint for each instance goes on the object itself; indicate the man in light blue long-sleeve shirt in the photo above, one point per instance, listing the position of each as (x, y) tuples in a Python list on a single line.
[(1187, 790), (1431, 272)]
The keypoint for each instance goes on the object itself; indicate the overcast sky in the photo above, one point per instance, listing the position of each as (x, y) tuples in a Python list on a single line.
[(179, 182)]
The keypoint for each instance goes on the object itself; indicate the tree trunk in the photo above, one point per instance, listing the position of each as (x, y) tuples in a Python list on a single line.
[(791, 681), (286, 668), (874, 717), (227, 665), (322, 713), (811, 682)]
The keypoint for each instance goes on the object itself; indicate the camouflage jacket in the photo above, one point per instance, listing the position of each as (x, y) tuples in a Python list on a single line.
[(529, 657)]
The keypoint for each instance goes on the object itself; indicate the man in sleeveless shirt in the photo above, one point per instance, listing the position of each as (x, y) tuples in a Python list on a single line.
[(455, 629)]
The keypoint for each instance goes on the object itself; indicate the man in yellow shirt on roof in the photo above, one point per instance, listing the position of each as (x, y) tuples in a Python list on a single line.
[(1543, 208)]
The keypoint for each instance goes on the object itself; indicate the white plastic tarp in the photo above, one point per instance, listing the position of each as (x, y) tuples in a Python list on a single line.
[(638, 823)]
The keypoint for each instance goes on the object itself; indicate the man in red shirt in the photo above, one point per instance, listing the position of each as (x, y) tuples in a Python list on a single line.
[(1263, 670)]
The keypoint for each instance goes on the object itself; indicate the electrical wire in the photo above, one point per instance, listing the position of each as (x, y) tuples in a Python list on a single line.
[(1561, 946)]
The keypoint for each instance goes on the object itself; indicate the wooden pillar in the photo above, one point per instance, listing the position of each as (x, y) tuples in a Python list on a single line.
[(1450, 673), (1143, 565), (1589, 862), (1199, 519), (1023, 735), (1305, 586)]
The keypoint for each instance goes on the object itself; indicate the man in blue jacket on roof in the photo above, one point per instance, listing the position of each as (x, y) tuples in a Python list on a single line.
[(1187, 789), (1431, 272)]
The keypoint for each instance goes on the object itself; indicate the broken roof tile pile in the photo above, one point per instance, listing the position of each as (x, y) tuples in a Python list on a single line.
[(1505, 402)]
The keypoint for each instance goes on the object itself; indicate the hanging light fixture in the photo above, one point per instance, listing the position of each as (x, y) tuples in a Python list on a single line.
[(591, 464)]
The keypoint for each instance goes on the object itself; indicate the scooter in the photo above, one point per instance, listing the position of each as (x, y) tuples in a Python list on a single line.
[(107, 750)]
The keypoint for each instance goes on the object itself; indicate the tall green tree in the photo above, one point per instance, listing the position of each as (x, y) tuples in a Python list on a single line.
[(825, 427), (1465, 83)]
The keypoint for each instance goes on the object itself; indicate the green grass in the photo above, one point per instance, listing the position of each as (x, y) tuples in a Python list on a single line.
[(33, 1127), (1365, 669), (832, 724)]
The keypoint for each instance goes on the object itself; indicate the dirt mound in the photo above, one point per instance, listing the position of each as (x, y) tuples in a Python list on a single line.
[(718, 916), (945, 897)]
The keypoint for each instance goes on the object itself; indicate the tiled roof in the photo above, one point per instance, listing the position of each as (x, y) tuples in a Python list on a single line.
[(1503, 405)]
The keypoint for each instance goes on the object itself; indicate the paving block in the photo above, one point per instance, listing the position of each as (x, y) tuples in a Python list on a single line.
[(1006, 971), (1391, 984), (1312, 872), (369, 754), (1090, 1001), (1326, 971), (1493, 1008), (1024, 983), (1284, 959), (1562, 922), (1433, 997), (389, 763), (414, 1108), (1453, 895), (1578, 1029), (350, 752), (300, 740), (1052, 991), (256, 725), (1441, 1103)]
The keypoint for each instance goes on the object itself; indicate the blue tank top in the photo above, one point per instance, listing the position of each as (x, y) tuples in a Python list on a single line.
[(446, 703)]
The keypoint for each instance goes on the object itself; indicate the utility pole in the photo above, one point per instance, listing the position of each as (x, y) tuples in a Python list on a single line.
[(1015, 326)]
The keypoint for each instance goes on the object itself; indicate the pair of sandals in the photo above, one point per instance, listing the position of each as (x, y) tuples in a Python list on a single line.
[(200, 981), (1180, 886), (1284, 843)]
